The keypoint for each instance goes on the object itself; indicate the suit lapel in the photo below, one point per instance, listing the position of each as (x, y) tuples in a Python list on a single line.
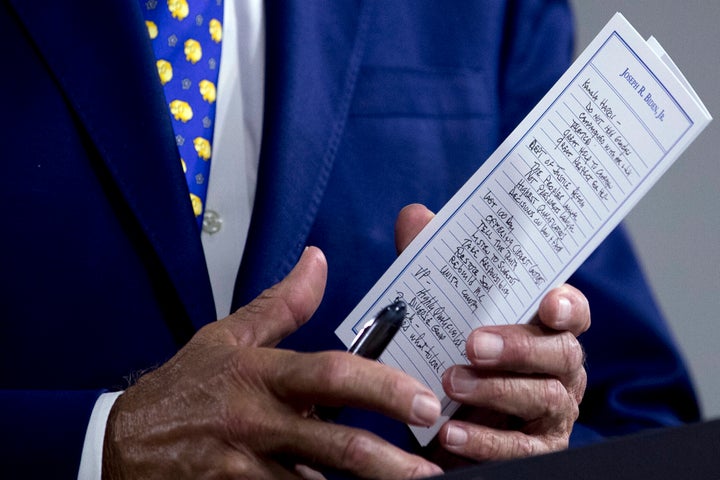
[(314, 51), (108, 74)]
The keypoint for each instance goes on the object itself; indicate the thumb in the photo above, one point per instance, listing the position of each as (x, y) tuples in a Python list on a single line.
[(410, 221), (284, 307)]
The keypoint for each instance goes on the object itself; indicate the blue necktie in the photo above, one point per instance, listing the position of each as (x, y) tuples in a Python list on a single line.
[(186, 36)]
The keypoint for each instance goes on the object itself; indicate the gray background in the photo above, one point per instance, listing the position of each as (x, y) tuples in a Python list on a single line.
[(676, 226)]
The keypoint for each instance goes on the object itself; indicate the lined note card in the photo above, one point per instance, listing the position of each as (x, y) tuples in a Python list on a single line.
[(539, 206)]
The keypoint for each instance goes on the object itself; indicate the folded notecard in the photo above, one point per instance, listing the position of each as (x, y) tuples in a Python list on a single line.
[(539, 206)]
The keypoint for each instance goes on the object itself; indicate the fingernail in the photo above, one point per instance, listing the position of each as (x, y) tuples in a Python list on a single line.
[(487, 346), (429, 470), (456, 436), (425, 409), (461, 381), (564, 311)]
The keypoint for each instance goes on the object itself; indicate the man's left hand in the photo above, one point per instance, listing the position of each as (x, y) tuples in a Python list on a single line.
[(524, 384)]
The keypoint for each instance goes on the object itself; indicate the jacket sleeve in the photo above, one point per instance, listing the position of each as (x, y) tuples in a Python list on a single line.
[(43, 431), (636, 376)]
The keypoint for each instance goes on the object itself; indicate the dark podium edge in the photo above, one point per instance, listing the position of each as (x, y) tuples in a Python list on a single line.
[(686, 452)]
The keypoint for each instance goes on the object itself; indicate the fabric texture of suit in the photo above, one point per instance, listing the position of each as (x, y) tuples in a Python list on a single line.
[(370, 105)]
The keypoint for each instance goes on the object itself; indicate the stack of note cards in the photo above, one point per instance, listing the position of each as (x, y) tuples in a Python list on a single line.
[(539, 206)]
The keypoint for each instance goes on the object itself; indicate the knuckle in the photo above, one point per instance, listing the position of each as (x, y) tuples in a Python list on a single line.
[(506, 388), (484, 445), (555, 396), (526, 346), (254, 428), (559, 403), (234, 465), (578, 391), (270, 303), (248, 335), (572, 352), (211, 334), (269, 312), (493, 449), (497, 391), (522, 446), (504, 446), (574, 413), (500, 445), (356, 450), (332, 371), (236, 427), (389, 386)]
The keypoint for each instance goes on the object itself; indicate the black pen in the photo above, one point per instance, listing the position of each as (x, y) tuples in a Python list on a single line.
[(370, 343), (377, 333)]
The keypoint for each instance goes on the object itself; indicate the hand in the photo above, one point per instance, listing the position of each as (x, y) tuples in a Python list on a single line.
[(524, 382), (227, 405)]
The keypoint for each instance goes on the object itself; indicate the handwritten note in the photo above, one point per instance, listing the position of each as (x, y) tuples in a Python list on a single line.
[(538, 206)]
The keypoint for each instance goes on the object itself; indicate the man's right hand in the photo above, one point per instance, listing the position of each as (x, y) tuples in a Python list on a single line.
[(229, 405)]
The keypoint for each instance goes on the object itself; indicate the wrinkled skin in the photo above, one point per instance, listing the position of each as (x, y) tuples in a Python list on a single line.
[(228, 404), (522, 389)]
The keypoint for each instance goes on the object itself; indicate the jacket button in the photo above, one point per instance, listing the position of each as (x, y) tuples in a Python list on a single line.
[(212, 222)]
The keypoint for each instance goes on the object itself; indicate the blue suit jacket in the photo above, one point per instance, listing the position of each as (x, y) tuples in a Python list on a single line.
[(370, 105)]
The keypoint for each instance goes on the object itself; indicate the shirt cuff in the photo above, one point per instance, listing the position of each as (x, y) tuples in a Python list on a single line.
[(91, 460)]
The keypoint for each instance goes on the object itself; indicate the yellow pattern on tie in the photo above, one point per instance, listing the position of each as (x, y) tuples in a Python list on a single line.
[(186, 37)]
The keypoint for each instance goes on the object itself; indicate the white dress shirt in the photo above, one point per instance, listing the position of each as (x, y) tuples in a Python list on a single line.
[(233, 179)]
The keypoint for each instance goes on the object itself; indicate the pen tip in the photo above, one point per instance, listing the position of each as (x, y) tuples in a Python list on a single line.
[(399, 305)]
